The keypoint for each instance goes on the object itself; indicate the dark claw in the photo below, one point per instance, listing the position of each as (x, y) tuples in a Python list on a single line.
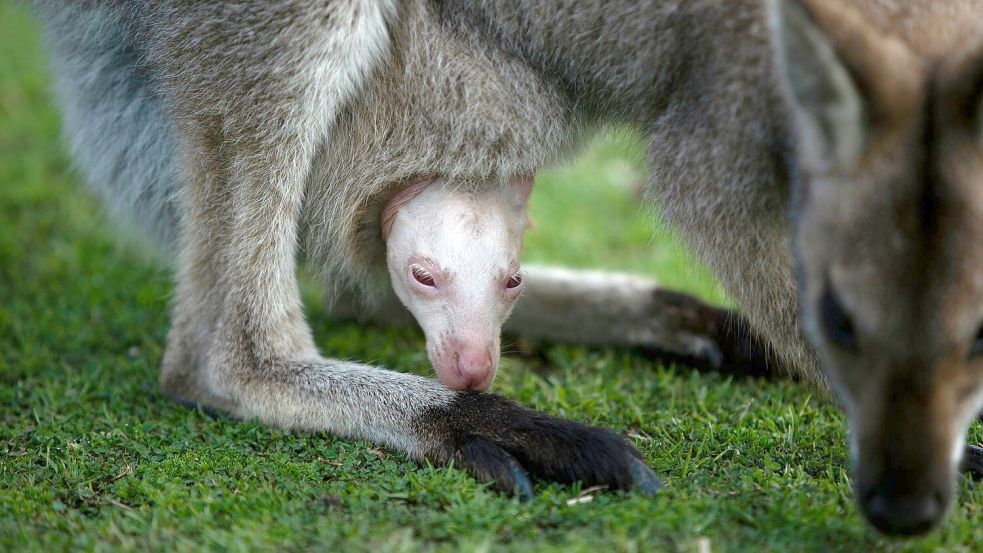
[(498, 440), (645, 481), (972, 463), (744, 352), (738, 348), (523, 486), (712, 357), (488, 462), (210, 412)]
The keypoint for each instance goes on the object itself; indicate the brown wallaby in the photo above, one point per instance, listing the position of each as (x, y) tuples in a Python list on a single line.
[(836, 142)]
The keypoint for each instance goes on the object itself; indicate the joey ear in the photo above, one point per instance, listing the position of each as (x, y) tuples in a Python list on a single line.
[(827, 104), (846, 81), (521, 189), (403, 196)]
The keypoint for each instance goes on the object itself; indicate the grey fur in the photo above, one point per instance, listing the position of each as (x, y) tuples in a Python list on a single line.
[(124, 144)]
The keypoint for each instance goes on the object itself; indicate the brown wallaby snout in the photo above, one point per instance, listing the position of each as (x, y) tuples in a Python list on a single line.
[(907, 440), (889, 216)]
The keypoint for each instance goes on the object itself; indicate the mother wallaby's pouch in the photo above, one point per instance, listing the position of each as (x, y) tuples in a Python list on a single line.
[(442, 103)]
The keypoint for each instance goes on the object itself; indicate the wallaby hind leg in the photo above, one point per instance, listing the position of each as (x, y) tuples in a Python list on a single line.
[(198, 301), (602, 308)]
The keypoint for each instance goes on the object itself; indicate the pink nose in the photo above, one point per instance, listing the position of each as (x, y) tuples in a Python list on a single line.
[(474, 367)]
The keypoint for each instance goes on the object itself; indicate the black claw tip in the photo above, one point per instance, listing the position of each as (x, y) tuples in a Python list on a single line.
[(713, 356), (523, 486), (644, 480), (205, 409), (490, 462), (972, 463)]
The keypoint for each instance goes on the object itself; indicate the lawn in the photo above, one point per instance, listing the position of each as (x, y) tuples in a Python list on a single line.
[(93, 457)]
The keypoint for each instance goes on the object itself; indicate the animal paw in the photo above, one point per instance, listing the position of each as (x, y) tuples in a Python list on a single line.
[(713, 338), (496, 439), (972, 463)]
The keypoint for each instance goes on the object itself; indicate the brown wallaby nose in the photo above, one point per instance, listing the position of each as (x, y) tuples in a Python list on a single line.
[(903, 515)]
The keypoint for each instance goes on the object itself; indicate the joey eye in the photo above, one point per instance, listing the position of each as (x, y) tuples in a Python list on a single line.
[(836, 323), (514, 281), (423, 277), (977, 348)]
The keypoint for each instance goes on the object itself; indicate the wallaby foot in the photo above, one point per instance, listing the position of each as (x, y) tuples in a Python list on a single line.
[(972, 463), (496, 439), (732, 347), (208, 410)]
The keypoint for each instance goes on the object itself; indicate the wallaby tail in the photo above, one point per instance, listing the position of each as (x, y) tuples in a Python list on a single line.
[(120, 137)]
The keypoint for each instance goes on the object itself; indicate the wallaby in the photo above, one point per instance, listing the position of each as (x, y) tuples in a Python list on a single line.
[(452, 252), (254, 124), (862, 120), (231, 132)]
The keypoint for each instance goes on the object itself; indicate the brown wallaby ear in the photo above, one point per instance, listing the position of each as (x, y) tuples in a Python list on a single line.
[(834, 72), (962, 92)]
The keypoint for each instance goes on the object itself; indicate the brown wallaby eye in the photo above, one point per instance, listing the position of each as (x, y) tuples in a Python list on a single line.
[(423, 277), (514, 281), (977, 348), (836, 323)]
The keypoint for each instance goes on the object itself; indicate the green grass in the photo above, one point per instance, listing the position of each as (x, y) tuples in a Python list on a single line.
[(93, 457)]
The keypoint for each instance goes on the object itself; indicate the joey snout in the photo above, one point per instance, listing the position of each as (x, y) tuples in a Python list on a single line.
[(464, 363)]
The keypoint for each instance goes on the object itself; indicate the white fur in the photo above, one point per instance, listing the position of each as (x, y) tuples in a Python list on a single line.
[(467, 241)]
